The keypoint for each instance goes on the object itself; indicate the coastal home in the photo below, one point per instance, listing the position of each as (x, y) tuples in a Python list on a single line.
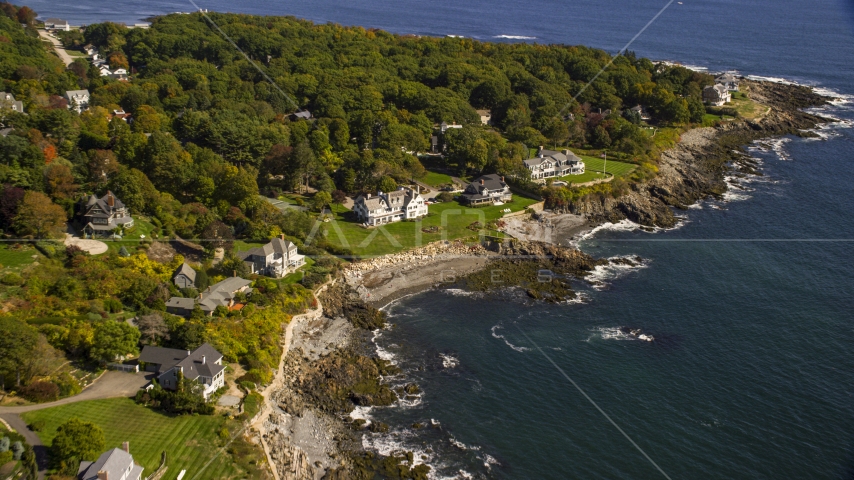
[(641, 111), (101, 216), (120, 71), (445, 126), (716, 95), (275, 259), (90, 49), (121, 114), (57, 24), (485, 116), (222, 294), (78, 100), (115, 464), (487, 189), (402, 204), (729, 81), (549, 163), (7, 101), (204, 365), (184, 277), (105, 70)]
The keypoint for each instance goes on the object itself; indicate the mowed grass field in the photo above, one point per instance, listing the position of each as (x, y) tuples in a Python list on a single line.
[(451, 218), (189, 441), (615, 168), (435, 179)]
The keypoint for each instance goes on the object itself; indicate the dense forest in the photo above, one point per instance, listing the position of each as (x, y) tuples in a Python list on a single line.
[(212, 130)]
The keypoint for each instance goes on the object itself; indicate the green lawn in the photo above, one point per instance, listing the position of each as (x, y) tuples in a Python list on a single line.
[(189, 441), (588, 176), (17, 257), (451, 218), (435, 179), (618, 169), (131, 240)]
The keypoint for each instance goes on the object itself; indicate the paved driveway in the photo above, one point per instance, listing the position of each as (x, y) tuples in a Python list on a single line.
[(111, 384), (63, 55)]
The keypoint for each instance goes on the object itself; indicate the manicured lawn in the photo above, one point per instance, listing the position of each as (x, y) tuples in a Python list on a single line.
[(189, 441), (435, 179), (588, 176), (242, 245), (618, 169), (17, 257), (746, 107), (451, 218), (132, 239), (297, 276)]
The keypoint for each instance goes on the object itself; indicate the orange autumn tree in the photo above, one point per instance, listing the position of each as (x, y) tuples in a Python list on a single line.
[(49, 153)]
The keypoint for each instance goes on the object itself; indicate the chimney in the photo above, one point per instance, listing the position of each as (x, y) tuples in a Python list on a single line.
[(282, 236), (188, 353), (234, 273), (481, 181), (369, 195), (103, 475), (111, 200), (541, 148), (203, 360), (502, 179), (200, 296), (126, 447)]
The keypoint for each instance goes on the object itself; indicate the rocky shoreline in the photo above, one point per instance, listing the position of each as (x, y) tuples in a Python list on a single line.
[(332, 366)]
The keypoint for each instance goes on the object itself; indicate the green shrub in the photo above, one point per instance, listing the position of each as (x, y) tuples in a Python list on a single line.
[(40, 391), (37, 426), (12, 279), (6, 457)]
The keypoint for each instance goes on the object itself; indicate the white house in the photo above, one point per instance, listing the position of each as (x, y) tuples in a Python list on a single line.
[(717, 95), (7, 100), (120, 71), (115, 464), (78, 100), (204, 365), (402, 204), (57, 24), (445, 126), (549, 163), (485, 116), (488, 189), (728, 80), (275, 259), (105, 70)]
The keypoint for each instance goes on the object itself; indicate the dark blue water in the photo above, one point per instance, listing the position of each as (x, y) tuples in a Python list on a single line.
[(751, 374)]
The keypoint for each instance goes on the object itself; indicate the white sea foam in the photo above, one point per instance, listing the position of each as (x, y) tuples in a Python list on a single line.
[(501, 337), (760, 78), (599, 276), (515, 37), (362, 413), (459, 292), (617, 333), (462, 446), (621, 226), (449, 361), (382, 352), (489, 461), (838, 98)]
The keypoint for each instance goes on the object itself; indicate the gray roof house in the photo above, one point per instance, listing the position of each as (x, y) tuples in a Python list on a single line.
[(401, 204), (57, 23), (728, 80), (487, 189), (221, 294), (115, 464), (301, 115), (100, 216), (549, 163), (184, 277), (78, 100), (275, 259), (7, 100), (717, 95), (203, 365)]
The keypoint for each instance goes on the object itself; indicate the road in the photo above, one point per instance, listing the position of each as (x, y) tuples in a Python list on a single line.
[(60, 51), (110, 385)]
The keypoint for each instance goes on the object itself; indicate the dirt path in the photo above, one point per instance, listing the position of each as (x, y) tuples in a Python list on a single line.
[(60, 51), (278, 380)]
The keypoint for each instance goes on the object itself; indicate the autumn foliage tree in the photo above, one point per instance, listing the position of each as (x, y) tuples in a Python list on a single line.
[(39, 217)]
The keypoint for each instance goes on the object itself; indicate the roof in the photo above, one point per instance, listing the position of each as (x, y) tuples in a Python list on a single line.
[(6, 131), (490, 182), (180, 302), (115, 462), (484, 113), (563, 157), (185, 270), (199, 362), (109, 204), (276, 245), (72, 93), (220, 294), (302, 114), (727, 77), (55, 20)]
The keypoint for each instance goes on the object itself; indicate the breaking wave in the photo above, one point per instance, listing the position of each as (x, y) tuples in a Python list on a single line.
[(515, 37), (501, 337)]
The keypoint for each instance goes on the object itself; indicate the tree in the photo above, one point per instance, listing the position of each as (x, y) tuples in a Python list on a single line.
[(217, 235), (17, 342), (10, 199), (77, 440), (26, 15), (59, 181), (339, 197), (39, 217), (113, 339), (321, 199), (152, 328)]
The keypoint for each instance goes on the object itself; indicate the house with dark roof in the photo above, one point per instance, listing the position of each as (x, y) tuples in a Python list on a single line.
[(275, 259), (184, 277), (203, 365), (115, 464), (549, 163), (729, 81), (100, 216), (716, 95), (487, 189), (221, 294), (7, 101), (401, 204)]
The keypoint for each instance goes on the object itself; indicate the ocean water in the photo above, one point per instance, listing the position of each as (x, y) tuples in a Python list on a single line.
[(751, 374)]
